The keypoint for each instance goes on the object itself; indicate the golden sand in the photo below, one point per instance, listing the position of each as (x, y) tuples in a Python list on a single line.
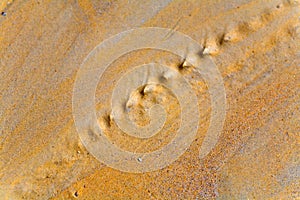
[(256, 47)]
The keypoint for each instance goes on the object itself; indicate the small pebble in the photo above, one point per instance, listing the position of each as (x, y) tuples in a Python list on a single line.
[(185, 64), (3, 14), (149, 88), (210, 50), (139, 159), (76, 194)]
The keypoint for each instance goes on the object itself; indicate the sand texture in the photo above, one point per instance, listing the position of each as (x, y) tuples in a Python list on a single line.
[(255, 45)]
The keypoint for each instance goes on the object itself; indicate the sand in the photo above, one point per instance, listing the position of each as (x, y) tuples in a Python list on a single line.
[(255, 45)]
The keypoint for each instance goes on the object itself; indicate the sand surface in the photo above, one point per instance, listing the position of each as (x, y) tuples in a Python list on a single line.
[(254, 44)]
